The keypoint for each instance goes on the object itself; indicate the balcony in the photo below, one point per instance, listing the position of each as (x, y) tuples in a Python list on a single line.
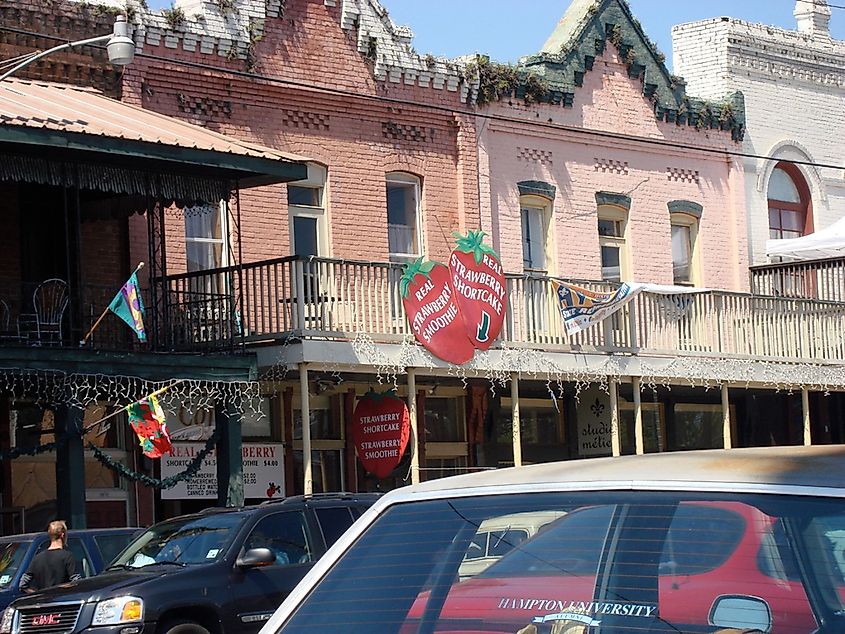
[(288, 297), (810, 279)]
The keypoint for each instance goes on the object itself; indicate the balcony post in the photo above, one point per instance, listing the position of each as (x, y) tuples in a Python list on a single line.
[(615, 447), (632, 324), (305, 415), (412, 416), (726, 417), (70, 467), (805, 409), (230, 464), (299, 283), (638, 415), (515, 424)]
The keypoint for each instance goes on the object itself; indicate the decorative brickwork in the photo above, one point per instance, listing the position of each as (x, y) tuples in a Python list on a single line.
[(611, 166), (204, 106), (405, 132), (534, 155), (305, 120), (682, 175)]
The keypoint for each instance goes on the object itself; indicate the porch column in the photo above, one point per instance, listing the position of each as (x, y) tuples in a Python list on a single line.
[(613, 385), (412, 416), (515, 425), (726, 417), (230, 463), (70, 467), (638, 416), (305, 413), (805, 409)]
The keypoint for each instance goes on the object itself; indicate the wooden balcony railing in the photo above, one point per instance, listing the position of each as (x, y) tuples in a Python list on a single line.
[(274, 299), (812, 279)]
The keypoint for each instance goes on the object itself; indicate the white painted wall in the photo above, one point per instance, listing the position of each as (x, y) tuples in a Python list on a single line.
[(794, 87)]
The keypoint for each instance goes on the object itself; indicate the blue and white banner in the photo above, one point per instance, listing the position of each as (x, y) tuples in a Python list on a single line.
[(582, 308)]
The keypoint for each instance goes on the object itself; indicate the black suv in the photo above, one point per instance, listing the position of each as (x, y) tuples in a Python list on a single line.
[(221, 570)]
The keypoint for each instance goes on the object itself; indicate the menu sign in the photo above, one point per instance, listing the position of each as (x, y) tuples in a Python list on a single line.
[(263, 471)]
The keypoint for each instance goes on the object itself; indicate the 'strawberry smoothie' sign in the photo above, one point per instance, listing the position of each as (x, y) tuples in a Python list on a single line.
[(479, 282), (454, 311), (380, 430), (429, 302)]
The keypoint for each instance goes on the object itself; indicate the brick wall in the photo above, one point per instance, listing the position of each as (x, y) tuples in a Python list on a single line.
[(794, 87), (580, 164)]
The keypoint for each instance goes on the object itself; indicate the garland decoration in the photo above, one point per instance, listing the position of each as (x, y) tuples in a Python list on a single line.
[(166, 483)]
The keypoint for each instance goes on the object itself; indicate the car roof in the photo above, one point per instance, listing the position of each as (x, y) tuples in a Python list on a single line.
[(764, 469), (23, 537)]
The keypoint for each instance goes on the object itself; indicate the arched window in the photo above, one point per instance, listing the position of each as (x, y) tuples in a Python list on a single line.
[(790, 214)]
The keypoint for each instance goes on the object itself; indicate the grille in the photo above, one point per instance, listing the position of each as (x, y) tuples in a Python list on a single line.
[(48, 619)]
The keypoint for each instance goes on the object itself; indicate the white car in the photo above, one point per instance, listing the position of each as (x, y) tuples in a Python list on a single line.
[(742, 540)]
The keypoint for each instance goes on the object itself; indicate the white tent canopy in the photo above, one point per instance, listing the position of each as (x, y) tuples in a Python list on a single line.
[(827, 243)]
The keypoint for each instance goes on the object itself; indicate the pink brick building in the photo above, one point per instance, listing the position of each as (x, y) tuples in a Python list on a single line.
[(591, 165)]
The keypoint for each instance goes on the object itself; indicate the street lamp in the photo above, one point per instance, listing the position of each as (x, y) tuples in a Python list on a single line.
[(120, 47)]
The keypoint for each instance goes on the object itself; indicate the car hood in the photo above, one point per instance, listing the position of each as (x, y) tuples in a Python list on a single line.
[(98, 587)]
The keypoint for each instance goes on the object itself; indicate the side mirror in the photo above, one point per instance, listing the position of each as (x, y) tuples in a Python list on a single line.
[(255, 558), (741, 612)]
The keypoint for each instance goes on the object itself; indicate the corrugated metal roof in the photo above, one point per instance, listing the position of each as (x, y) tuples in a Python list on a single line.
[(71, 109)]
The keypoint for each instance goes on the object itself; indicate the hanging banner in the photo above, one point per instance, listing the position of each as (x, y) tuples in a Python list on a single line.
[(431, 308), (264, 471), (582, 308), (478, 279), (380, 431)]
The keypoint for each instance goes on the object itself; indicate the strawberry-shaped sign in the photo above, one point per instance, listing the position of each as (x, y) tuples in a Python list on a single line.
[(434, 315), (479, 283), (380, 429)]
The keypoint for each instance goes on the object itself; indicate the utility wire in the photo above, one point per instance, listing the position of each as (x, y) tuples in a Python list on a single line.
[(832, 6), (452, 110)]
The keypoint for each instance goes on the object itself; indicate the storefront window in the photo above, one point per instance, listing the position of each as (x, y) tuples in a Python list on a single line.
[(540, 423), (327, 445), (654, 431), (698, 426), (326, 470), (256, 422), (444, 420)]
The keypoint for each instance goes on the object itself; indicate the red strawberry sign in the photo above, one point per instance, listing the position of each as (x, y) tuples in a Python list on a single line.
[(434, 315), (478, 279), (380, 430)]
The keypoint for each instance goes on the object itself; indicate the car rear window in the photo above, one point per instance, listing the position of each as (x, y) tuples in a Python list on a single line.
[(635, 562), (333, 522), (111, 545)]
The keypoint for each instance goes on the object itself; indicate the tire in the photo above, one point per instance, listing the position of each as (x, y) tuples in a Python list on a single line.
[(183, 626)]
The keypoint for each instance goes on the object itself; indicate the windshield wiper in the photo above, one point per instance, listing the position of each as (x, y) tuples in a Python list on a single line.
[(166, 562), (119, 567)]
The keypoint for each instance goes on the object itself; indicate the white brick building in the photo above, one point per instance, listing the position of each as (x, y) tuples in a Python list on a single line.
[(794, 87)]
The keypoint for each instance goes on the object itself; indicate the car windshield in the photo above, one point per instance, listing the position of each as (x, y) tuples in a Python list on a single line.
[(192, 540), (11, 556), (633, 562)]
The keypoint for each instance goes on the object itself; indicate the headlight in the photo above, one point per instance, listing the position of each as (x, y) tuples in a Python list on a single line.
[(6, 620), (117, 611)]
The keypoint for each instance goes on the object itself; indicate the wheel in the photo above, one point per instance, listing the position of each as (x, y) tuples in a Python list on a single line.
[(183, 626)]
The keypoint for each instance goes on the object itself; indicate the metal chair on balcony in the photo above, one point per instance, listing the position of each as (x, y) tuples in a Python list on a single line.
[(44, 326)]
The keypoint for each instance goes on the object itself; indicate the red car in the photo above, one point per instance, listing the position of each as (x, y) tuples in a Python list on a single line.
[(736, 550)]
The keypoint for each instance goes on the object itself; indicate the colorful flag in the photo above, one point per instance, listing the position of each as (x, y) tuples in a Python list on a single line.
[(582, 308), (147, 420), (128, 306)]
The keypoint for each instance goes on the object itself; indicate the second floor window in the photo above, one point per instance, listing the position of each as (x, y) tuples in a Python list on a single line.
[(789, 203), (403, 217), (534, 237), (611, 229), (681, 253), (307, 213), (205, 233)]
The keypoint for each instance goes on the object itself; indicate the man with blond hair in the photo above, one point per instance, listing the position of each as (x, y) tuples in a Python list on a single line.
[(53, 566)]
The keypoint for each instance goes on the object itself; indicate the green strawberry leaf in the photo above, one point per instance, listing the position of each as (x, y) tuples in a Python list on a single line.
[(418, 266), (473, 243)]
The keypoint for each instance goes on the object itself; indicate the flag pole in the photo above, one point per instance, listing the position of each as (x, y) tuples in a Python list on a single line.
[(103, 314), (126, 408)]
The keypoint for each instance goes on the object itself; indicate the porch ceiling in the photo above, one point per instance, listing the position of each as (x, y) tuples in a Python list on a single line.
[(82, 120)]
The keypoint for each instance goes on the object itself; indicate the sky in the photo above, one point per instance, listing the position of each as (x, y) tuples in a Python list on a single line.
[(509, 29)]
